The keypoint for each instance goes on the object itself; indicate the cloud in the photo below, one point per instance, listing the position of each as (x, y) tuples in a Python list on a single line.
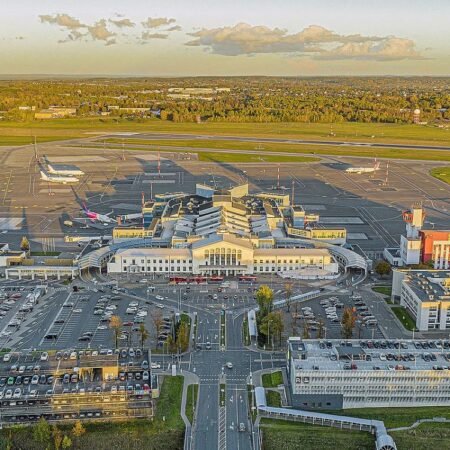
[(391, 49), (122, 23), (63, 20), (78, 30), (155, 22), (146, 36), (315, 40), (174, 28), (99, 32)]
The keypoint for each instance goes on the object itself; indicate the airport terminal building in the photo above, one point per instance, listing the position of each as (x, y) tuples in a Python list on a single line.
[(335, 374), (226, 232)]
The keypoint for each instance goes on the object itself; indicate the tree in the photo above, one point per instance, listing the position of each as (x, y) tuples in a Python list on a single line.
[(183, 337), (264, 298), (348, 322), (306, 334), (116, 325), (66, 442), (42, 432), (289, 287), (272, 325), (57, 437), (157, 320), (321, 331), (78, 430), (144, 334), (25, 244), (382, 268)]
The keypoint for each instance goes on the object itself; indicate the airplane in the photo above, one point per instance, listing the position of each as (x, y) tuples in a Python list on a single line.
[(360, 170), (97, 217), (58, 179)]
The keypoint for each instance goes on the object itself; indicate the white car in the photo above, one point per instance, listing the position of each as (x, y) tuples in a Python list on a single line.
[(17, 393), (229, 365), (7, 357), (73, 355), (143, 280), (33, 393), (132, 304), (113, 389), (35, 379), (8, 394), (159, 297), (155, 365)]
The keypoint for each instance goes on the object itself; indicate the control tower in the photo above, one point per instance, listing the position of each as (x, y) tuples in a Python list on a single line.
[(410, 245)]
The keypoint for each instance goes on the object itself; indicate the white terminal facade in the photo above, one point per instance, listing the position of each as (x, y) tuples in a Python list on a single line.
[(226, 232), (337, 374), (426, 295)]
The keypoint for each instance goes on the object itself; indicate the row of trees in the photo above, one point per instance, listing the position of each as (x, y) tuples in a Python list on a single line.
[(384, 100), (49, 437), (270, 323)]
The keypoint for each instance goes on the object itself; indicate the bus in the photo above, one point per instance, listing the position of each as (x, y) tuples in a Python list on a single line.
[(178, 280), (216, 279), (247, 279), (198, 280)]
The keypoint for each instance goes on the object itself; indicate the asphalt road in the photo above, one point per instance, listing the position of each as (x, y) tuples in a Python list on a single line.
[(158, 136)]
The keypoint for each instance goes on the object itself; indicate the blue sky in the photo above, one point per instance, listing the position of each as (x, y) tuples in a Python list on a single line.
[(228, 37)]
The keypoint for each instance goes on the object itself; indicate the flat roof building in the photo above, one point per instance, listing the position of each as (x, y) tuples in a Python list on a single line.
[(343, 374)]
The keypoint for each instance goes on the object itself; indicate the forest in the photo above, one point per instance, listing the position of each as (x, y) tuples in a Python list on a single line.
[(235, 99)]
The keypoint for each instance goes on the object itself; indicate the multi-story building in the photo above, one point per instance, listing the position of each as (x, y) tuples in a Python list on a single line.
[(222, 254), (420, 246), (227, 232), (426, 295), (337, 374)]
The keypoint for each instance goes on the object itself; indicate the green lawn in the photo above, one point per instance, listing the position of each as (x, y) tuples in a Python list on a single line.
[(133, 434), (303, 149), (191, 401), (295, 436), (385, 290), (223, 328), (427, 436), (222, 394), (252, 158), (404, 317), (273, 398), (397, 417), (365, 132), (168, 406), (25, 140), (441, 173), (273, 379)]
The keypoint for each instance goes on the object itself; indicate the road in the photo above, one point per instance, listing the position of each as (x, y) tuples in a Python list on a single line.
[(176, 136)]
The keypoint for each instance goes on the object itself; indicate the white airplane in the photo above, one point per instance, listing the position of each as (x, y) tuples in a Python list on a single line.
[(58, 179), (360, 170), (97, 217)]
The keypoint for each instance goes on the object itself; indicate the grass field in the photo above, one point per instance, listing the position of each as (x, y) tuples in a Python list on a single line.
[(404, 317), (294, 436), (427, 436), (249, 158), (273, 398), (25, 140), (398, 417), (168, 406), (302, 149), (273, 379), (385, 290), (368, 132), (191, 401), (441, 173)]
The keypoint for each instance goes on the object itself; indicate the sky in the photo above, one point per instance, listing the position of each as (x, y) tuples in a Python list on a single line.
[(227, 37)]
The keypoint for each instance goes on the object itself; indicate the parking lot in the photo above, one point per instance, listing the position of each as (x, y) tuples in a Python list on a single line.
[(323, 317), (77, 384)]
